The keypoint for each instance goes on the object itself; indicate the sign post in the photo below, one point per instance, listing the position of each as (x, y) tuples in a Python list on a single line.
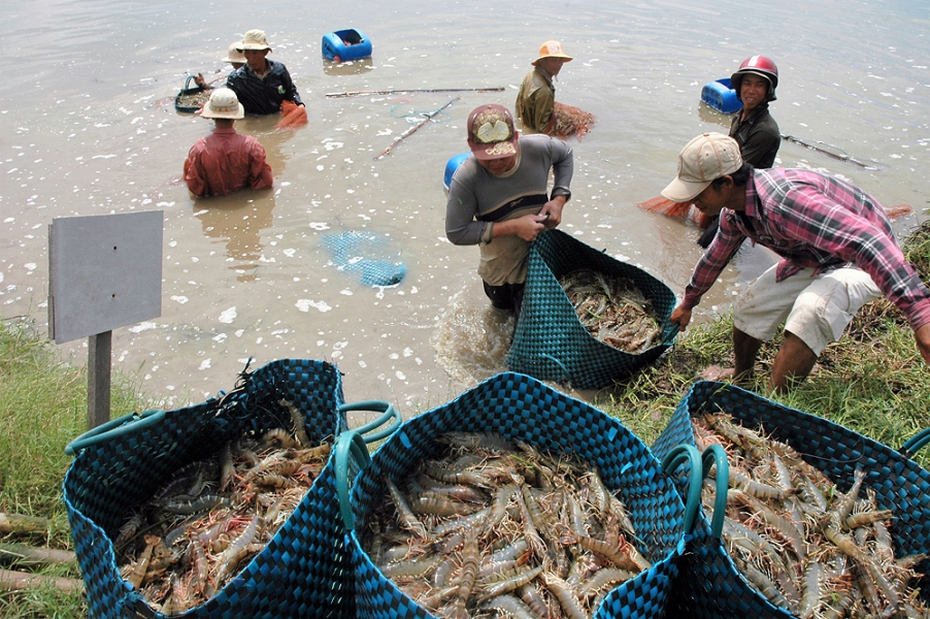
[(105, 272)]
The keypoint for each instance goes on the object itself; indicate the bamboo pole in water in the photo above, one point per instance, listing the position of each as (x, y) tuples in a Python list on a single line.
[(362, 93), (411, 130)]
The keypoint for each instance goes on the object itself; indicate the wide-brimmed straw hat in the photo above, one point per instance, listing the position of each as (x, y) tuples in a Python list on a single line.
[(253, 39), (703, 160), (552, 49), (223, 103), (234, 54)]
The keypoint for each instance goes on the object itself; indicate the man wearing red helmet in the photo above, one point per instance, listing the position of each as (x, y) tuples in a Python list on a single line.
[(752, 126)]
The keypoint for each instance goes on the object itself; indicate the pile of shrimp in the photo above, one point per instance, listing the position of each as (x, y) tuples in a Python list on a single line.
[(613, 310), (215, 515), (568, 120), (494, 527), (805, 545)]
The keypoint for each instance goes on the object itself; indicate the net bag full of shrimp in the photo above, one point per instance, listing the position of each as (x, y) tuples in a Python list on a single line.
[(588, 319), (513, 499), (820, 521), (222, 509)]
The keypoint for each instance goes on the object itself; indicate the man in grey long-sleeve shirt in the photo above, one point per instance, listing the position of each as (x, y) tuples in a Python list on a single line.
[(498, 199)]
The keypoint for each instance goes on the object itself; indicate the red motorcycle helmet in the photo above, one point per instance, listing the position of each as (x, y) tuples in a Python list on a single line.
[(760, 65)]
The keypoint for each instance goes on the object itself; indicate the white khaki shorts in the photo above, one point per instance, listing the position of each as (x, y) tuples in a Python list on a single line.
[(816, 309)]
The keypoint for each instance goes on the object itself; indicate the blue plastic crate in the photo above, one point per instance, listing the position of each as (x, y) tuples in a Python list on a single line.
[(720, 96), (343, 45)]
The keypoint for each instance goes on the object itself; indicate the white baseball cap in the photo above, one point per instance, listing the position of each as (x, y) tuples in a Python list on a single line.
[(703, 160)]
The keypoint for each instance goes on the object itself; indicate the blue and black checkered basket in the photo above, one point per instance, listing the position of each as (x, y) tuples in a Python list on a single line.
[(520, 407), (301, 572), (711, 586), (550, 343)]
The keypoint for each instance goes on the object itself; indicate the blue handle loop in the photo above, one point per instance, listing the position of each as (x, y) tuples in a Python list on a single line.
[(670, 462), (388, 412), (187, 83), (913, 445), (132, 422), (350, 457), (714, 454)]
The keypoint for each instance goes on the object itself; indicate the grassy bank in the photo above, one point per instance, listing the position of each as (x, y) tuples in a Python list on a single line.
[(43, 407), (872, 381)]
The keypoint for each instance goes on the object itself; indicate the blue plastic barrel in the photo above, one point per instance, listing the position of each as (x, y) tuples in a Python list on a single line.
[(720, 96), (343, 45), (451, 166)]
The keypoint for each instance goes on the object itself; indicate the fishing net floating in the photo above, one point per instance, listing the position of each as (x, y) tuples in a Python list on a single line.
[(568, 121), (366, 255)]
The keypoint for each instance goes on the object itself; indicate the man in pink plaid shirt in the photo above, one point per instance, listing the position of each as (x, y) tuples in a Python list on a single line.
[(837, 248)]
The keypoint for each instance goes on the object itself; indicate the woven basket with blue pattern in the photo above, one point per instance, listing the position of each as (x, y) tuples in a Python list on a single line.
[(711, 586), (520, 407), (300, 572), (550, 343)]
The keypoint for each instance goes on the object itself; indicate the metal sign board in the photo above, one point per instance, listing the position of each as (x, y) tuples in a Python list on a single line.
[(105, 272)]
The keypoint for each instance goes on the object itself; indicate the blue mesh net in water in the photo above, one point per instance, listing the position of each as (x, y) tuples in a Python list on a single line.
[(367, 255)]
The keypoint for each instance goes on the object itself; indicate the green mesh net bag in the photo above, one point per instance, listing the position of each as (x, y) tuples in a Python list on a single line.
[(551, 343)]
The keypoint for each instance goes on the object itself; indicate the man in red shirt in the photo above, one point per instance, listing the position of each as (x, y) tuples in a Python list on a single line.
[(225, 161)]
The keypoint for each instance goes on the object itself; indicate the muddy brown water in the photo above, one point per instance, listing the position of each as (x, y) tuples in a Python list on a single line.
[(88, 127)]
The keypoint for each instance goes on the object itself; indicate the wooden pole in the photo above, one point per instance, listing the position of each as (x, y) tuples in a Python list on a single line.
[(16, 523), (20, 554), (840, 156), (362, 93), (99, 349), (19, 581), (411, 130)]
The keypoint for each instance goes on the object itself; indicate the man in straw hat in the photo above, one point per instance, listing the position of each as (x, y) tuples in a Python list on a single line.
[(225, 161), (233, 57), (536, 98), (498, 200), (837, 247), (262, 85)]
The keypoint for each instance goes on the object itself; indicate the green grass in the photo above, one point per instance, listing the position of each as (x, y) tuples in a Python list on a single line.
[(872, 381), (43, 406)]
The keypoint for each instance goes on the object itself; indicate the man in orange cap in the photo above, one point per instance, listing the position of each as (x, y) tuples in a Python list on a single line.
[(536, 98)]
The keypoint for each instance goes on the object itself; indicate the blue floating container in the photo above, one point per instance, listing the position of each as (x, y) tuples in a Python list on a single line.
[(345, 45), (451, 166), (720, 96)]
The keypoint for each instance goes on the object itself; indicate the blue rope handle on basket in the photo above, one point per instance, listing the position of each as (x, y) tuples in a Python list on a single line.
[(116, 427), (350, 451), (670, 462), (388, 411), (714, 454), (913, 445)]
